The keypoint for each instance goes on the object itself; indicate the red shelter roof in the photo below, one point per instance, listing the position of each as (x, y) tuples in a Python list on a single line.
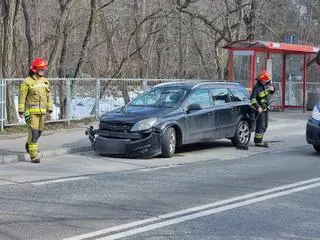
[(274, 47)]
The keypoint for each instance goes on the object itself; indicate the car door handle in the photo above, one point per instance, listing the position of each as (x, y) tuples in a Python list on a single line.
[(235, 110), (210, 113)]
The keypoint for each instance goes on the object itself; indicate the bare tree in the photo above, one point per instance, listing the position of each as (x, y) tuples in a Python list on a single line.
[(11, 7), (139, 38), (250, 19), (55, 55), (28, 30), (85, 45)]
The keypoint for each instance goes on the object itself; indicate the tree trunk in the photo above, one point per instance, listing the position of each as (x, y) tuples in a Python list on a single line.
[(62, 85), (58, 44), (141, 70), (85, 44), (29, 32), (9, 20), (87, 38), (58, 55), (250, 20), (180, 48)]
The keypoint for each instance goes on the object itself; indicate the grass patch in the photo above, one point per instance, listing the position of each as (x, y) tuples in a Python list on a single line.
[(14, 130)]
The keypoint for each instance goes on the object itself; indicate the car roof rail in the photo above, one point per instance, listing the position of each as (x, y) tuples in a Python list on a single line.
[(216, 82), (198, 82), (166, 83)]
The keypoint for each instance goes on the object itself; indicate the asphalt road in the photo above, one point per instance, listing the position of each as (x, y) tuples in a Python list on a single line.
[(207, 191)]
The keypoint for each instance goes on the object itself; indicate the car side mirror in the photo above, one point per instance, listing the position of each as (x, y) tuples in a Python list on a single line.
[(318, 57), (193, 107)]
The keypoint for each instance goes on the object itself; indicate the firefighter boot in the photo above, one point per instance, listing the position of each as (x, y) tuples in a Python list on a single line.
[(262, 144), (34, 152), (37, 160)]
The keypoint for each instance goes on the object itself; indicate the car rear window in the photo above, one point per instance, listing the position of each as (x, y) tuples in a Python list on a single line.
[(220, 96), (239, 94)]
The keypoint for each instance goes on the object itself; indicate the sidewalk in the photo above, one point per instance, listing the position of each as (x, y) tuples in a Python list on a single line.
[(289, 114), (52, 143), (67, 141)]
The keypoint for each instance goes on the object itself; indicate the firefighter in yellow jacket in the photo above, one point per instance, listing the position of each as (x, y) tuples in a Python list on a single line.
[(35, 104)]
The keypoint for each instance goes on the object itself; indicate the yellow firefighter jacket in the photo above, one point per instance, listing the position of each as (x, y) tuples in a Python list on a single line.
[(35, 95)]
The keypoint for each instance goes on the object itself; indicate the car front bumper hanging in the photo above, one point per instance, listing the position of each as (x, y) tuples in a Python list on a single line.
[(124, 144)]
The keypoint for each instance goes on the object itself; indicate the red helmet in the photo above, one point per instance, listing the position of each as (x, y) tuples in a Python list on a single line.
[(264, 76), (38, 64)]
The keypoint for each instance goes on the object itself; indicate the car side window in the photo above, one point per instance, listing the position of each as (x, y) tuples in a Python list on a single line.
[(220, 96), (200, 97), (239, 95)]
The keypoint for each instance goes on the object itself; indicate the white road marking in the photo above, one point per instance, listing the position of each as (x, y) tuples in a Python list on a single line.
[(149, 169), (59, 180), (205, 213), (4, 182), (273, 192)]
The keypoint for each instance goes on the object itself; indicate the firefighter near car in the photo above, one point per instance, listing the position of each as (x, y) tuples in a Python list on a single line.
[(260, 101), (35, 105)]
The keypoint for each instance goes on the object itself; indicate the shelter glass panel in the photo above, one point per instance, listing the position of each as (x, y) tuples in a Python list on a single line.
[(261, 59), (241, 69), (294, 76), (276, 78)]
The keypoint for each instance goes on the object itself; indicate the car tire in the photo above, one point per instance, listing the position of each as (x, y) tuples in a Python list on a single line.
[(242, 134), (316, 147), (168, 142)]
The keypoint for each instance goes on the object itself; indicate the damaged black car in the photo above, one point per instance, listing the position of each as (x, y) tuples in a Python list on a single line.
[(173, 114)]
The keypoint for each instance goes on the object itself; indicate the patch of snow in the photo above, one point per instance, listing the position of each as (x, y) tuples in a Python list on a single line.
[(81, 107)]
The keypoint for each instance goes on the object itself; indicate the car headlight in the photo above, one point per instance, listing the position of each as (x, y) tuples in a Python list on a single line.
[(145, 124), (316, 113)]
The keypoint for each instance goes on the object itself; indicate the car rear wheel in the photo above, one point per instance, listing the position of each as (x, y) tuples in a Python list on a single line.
[(242, 135), (316, 147), (168, 142)]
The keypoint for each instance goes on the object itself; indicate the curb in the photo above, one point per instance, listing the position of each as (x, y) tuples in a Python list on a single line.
[(47, 153), (45, 133)]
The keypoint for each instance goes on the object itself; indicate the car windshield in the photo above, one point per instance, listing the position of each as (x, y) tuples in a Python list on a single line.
[(160, 97)]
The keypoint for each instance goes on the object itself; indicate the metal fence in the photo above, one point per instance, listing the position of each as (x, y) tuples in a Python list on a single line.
[(2, 103), (76, 99)]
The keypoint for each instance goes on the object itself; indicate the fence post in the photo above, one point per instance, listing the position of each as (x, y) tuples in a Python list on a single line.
[(68, 101), (144, 84), (2, 103), (97, 103)]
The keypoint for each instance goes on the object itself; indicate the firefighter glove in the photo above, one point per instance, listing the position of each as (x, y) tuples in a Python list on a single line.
[(27, 117)]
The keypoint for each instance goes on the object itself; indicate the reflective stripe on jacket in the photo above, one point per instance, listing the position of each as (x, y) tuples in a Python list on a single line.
[(35, 95)]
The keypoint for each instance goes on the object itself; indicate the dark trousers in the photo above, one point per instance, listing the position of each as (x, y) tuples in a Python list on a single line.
[(261, 125)]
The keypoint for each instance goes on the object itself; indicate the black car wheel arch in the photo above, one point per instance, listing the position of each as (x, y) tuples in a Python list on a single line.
[(242, 133), (168, 142), (316, 147)]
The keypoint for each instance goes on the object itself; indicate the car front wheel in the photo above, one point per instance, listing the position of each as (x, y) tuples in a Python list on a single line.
[(242, 135), (316, 147), (168, 142)]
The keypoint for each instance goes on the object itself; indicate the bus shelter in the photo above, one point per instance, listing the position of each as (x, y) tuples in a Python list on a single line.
[(287, 64)]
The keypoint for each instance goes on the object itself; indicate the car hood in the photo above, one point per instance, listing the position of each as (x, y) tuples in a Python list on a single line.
[(133, 114)]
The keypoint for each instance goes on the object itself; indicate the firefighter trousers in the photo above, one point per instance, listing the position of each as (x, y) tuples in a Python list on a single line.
[(261, 126), (35, 126)]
